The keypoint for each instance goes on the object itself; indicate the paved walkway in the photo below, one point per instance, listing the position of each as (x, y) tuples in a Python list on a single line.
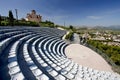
[(76, 38), (87, 57)]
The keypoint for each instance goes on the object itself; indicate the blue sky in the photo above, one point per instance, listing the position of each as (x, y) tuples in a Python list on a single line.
[(72, 12)]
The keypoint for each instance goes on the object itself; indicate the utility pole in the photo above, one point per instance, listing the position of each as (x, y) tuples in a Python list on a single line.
[(16, 14), (64, 23)]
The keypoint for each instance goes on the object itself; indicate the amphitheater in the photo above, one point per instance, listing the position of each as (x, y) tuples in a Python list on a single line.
[(32, 53)]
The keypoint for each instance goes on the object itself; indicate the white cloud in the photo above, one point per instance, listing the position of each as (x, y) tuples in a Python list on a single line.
[(54, 17), (113, 11), (94, 17), (57, 19)]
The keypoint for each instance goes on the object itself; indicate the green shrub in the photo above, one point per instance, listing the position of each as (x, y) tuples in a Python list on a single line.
[(69, 36), (112, 52)]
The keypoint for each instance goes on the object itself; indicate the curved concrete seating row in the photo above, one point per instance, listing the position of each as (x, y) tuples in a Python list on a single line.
[(52, 70), (12, 52), (32, 53)]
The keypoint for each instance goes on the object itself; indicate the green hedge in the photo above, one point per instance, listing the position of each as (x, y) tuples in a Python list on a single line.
[(113, 52), (69, 36)]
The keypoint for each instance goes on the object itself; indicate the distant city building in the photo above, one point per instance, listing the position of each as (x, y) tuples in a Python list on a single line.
[(86, 35), (33, 17)]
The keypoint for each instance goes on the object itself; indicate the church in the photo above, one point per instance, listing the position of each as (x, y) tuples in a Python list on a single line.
[(33, 17)]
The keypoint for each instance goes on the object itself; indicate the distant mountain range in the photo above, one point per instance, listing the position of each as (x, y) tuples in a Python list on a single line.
[(113, 27)]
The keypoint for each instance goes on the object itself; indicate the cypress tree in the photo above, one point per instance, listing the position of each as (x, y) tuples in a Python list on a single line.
[(0, 20), (11, 18)]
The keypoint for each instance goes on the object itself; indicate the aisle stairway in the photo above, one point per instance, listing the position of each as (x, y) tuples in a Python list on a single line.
[(30, 53)]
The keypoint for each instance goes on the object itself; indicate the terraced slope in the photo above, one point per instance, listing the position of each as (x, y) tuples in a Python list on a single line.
[(30, 53)]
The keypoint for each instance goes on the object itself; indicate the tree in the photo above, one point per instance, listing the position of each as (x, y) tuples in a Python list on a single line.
[(22, 19), (0, 20), (11, 18), (71, 27)]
